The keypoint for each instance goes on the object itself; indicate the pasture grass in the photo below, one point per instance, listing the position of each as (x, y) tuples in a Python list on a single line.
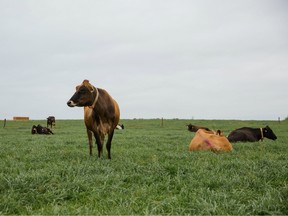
[(151, 171)]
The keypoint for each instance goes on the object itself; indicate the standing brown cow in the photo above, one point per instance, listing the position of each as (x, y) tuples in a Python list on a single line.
[(101, 114)]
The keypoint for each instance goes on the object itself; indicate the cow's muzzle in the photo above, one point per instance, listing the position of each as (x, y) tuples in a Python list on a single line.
[(70, 103)]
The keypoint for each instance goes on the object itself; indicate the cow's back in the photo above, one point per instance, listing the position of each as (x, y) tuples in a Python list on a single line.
[(207, 140), (221, 143), (196, 142), (105, 116), (242, 135), (117, 114)]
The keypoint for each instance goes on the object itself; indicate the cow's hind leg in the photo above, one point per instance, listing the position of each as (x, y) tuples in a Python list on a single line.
[(109, 142), (99, 144)]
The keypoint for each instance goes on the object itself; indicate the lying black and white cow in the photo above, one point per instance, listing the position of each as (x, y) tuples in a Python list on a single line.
[(40, 130), (247, 134), (120, 127)]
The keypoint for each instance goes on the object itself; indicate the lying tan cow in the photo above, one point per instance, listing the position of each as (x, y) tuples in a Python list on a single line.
[(209, 140)]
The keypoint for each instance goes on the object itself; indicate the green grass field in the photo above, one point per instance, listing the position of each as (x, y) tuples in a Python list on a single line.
[(151, 171)]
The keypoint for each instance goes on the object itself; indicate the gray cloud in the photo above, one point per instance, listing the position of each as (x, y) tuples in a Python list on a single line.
[(172, 59)]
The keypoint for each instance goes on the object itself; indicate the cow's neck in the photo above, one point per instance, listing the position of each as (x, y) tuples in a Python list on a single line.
[(96, 97), (262, 136)]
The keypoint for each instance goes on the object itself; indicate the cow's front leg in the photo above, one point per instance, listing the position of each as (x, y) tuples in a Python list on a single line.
[(89, 134)]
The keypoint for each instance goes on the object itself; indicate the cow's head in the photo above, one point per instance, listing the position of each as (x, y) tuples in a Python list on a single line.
[(191, 128), (220, 133), (51, 118), (34, 129), (84, 95), (268, 133)]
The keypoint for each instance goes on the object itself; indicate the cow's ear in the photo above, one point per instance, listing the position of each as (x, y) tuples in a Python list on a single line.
[(219, 132), (85, 82), (91, 89), (77, 87)]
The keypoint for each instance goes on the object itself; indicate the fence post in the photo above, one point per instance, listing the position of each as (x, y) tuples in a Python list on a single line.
[(4, 123)]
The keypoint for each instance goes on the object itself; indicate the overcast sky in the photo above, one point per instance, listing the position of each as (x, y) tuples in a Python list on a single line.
[(203, 59)]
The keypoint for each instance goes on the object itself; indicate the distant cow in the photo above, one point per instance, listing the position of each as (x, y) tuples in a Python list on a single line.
[(101, 114), (247, 134), (51, 121), (194, 128), (120, 127), (209, 140), (41, 130)]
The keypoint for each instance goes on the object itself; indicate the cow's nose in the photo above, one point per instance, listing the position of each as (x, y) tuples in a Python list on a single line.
[(71, 103)]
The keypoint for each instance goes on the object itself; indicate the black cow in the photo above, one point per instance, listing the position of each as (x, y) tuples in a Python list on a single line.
[(40, 130), (194, 128), (247, 134), (51, 121)]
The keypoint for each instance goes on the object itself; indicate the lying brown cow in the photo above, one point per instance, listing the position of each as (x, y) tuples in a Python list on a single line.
[(209, 140), (101, 114), (194, 128)]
